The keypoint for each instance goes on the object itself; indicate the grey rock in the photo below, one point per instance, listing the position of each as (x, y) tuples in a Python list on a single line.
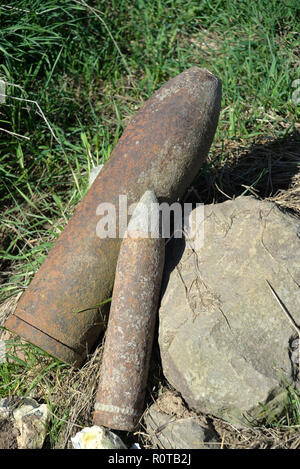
[(168, 431), (31, 419), (8, 434), (5, 408), (224, 339), (27, 421)]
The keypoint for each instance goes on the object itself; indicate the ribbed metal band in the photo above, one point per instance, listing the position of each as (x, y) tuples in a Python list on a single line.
[(115, 409)]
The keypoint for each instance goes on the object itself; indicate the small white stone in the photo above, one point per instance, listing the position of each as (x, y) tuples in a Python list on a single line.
[(96, 438), (135, 446)]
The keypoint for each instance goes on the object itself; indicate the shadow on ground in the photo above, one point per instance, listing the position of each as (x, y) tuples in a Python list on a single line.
[(268, 168)]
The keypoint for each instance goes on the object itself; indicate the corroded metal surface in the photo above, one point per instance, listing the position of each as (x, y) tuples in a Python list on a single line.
[(129, 336), (162, 149)]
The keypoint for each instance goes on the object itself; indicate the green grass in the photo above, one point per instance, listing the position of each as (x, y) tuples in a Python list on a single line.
[(89, 71), (61, 56), (289, 416)]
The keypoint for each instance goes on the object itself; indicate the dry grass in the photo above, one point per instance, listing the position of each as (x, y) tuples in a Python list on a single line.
[(256, 438), (78, 394)]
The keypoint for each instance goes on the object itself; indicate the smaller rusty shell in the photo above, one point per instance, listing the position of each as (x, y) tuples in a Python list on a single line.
[(129, 337)]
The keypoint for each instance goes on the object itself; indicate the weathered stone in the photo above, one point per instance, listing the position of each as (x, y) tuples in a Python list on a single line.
[(97, 437), (171, 428), (8, 434), (22, 426), (224, 339), (5, 408), (31, 419)]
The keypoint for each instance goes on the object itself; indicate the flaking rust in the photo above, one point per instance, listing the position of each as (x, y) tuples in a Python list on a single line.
[(129, 336), (162, 149)]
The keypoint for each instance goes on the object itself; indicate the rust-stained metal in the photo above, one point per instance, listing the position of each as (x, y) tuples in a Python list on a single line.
[(129, 336), (162, 149)]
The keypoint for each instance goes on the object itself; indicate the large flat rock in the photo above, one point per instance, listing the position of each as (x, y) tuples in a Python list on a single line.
[(225, 341)]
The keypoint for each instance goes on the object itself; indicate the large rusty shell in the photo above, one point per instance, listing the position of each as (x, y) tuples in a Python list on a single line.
[(162, 149)]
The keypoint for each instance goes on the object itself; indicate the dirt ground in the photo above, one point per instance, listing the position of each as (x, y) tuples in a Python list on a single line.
[(8, 435)]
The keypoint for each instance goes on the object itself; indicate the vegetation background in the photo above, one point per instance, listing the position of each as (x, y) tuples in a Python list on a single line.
[(75, 74)]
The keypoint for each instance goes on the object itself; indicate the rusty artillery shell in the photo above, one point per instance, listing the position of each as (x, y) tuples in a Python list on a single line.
[(129, 335), (162, 149)]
